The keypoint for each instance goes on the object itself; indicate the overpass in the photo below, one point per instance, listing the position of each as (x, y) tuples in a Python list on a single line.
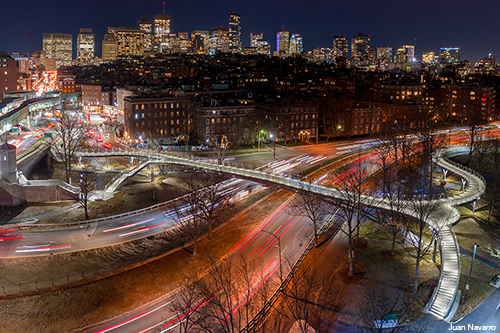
[(446, 213), (18, 110)]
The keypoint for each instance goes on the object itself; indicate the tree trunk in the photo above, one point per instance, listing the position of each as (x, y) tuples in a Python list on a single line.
[(315, 233), (394, 234), (85, 203), (415, 287), (351, 260)]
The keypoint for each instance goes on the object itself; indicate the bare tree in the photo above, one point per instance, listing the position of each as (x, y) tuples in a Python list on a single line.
[(473, 120), (211, 195), (233, 288), (190, 225), (207, 199), (351, 182), (430, 140), (310, 298), (86, 183), (66, 142), (311, 205), (378, 305), (186, 305), (395, 190), (420, 227)]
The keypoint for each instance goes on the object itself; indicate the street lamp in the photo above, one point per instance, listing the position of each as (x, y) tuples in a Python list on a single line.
[(274, 146), (279, 248)]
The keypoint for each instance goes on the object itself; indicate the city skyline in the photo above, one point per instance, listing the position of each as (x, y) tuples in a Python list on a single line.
[(316, 23)]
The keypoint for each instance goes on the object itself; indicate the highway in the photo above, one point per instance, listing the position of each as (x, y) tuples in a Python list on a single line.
[(294, 233), (15, 243)]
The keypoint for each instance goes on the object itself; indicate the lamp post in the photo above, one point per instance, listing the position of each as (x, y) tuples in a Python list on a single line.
[(279, 248), (274, 146)]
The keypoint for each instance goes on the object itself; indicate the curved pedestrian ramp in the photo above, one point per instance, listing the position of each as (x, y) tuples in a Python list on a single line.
[(441, 219)]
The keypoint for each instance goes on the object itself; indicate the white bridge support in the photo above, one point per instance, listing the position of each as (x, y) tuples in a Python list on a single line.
[(441, 219)]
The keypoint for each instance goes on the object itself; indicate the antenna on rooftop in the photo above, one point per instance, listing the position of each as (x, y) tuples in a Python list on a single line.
[(27, 49), (163, 7)]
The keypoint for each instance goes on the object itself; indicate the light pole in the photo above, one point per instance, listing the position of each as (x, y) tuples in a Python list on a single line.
[(274, 146), (279, 248)]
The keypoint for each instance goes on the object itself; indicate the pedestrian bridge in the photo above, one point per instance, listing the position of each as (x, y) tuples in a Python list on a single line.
[(441, 219)]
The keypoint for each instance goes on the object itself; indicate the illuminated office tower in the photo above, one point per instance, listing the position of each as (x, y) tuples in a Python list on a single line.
[(147, 27), (254, 38), (340, 46), (260, 44), (109, 47), (162, 31), (59, 47), (428, 57), (235, 32), (85, 46), (360, 44), (409, 52), (372, 57), (222, 39), (129, 42), (384, 54), (200, 41), (283, 42), (185, 44), (449, 54), (296, 46), (400, 56)]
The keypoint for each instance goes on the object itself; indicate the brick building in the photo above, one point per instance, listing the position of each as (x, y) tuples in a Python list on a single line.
[(289, 120), (234, 119), (157, 118), (9, 73)]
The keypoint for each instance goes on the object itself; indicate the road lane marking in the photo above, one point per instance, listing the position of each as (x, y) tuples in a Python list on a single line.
[(127, 225), (131, 319)]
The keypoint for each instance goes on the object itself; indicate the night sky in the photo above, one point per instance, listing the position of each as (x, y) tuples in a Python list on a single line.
[(472, 25)]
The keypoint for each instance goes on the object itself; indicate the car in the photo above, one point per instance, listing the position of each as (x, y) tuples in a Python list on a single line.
[(98, 139)]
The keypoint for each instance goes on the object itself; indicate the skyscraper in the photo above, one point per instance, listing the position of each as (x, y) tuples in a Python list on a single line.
[(59, 47), (360, 44), (283, 42), (449, 54), (129, 42), (400, 56), (109, 47), (162, 31), (200, 40), (221, 40), (234, 32), (296, 45), (185, 44), (409, 52), (384, 54), (254, 38), (262, 45), (147, 26), (428, 57), (85, 46), (340, 46)]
